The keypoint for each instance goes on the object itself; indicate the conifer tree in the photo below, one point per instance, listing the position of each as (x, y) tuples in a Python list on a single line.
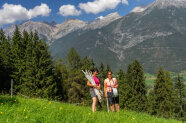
[(76, 80), (5, 61), (17, 52), (151, 104), (180, 99), (122, 86), (138, 100), (108, 68), (61, 76), (6, 53), (46, 86), (73, 59), (102, 73), (163, 90), (127, 92)]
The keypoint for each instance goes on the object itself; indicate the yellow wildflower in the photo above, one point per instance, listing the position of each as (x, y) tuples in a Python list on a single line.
[(26, 117), (50, 102), (45, 107), (133, 118), (24, 110), (60, 108), (89, 113), (1, 112)]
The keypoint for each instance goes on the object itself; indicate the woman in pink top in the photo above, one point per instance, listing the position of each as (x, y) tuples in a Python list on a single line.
[(92, 92)]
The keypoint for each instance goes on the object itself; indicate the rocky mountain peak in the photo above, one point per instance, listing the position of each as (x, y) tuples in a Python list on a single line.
[(167, 3)]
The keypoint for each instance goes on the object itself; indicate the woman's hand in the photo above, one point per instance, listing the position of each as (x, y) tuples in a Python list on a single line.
[(95, 86)]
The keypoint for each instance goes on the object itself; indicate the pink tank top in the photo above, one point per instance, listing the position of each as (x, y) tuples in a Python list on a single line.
[(96, 80)]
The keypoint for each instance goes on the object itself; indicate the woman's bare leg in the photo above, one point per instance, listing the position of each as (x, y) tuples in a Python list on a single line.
[(94, 101), (117, 107), (112, 108)]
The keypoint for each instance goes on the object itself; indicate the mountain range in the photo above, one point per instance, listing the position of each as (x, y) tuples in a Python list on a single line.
[(155, 34)]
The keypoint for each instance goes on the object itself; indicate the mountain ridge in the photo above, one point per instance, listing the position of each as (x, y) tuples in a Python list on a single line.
[(155, 35)]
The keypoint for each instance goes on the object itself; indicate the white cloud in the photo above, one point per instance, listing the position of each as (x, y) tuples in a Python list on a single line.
[(100, 17), (42, 10), (11, 13), (125, 2), (98, 6), (69, 10)]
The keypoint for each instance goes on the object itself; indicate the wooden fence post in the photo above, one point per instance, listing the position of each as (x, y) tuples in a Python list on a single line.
[(11, 88)]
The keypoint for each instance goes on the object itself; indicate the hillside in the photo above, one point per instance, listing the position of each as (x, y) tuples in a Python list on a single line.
[(20, 109), (155, 36)]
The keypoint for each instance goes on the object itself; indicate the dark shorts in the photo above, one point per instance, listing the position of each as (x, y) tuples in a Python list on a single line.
[(112, 100), (92, 92)]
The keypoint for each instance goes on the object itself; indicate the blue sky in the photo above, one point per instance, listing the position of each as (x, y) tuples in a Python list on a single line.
[(17, 11)]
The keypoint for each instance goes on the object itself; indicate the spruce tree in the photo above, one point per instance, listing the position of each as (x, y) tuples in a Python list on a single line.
[(127, 91), (122, 86), (73, 59), (108, 68), (151, 104), (61, 76), (17, 52), (6, 55), (5, 61), (163, 90), (138, 100), (180, 99), (102, 73), (76, 79), (46, 86)]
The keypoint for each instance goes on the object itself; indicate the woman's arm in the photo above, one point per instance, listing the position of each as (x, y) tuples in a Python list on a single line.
[(116, 83), (105, 89), (99, 87), (91, 85)]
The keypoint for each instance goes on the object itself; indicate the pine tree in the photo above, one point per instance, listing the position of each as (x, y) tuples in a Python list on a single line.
[(5, 61), (17, 51), (108, 68), (151, 104), (163, 90), (122, 86), (46, 86), (180, 96), (77, 91), (127, 91), (102, 73), (28, 85), (73, 59), (92, 63), (86, 64), (61, 76), (76, 81), (35, 67), (138, 100)]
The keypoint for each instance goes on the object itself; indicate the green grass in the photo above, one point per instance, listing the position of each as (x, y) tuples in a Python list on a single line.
[(18, 110)]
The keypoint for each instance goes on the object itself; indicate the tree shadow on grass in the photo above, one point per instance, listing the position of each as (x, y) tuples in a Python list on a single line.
[(8, 100)]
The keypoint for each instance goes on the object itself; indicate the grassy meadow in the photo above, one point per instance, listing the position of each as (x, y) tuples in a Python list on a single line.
[(19, 110)]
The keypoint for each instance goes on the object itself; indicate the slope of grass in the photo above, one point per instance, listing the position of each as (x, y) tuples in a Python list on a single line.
[(18, 109)]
